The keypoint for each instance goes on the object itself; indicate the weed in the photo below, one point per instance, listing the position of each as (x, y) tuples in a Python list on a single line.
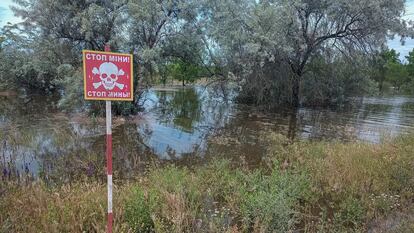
[(307, 186)]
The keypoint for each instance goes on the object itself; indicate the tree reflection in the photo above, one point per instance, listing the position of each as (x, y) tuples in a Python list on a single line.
[(182, 108), (292, 129)]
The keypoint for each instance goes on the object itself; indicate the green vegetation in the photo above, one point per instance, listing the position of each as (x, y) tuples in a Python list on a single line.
[(307, 186), (183, 71), (276, 52), (391, 74)]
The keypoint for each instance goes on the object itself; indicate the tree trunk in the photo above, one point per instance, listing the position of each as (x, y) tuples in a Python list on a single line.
[(293, 124), (295, 91), (381, 86), (183, 83), (297, 70)]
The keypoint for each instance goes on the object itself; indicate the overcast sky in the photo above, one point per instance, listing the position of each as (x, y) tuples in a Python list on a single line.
[(6, 15)]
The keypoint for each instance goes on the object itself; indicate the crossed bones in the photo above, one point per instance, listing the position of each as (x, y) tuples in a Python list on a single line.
[(108, 73)]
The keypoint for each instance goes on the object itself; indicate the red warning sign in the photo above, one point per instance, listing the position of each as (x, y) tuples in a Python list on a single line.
[(107, 76)]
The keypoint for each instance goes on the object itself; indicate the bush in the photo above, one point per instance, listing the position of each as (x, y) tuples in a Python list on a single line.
[(351, 214), (270, 203), (352, 183), (138, 213), (320, 187)]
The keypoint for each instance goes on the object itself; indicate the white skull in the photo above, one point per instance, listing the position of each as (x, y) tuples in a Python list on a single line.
[(108, 73)]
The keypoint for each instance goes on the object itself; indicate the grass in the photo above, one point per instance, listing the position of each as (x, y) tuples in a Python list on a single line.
[(74, 208), (353, 183), (307, 186)]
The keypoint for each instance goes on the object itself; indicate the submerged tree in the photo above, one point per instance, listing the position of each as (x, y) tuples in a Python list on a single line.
[(278, 32), (344, 25), (279, 51), (86, 24), (153, 25)]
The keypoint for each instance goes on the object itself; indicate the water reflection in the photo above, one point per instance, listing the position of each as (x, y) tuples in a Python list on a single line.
[(181, 120), (188, 125)]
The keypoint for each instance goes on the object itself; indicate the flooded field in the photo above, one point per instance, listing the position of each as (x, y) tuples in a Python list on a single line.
[(185, 126)]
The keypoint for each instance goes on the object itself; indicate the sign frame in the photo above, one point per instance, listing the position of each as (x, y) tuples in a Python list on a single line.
[(131, 77)]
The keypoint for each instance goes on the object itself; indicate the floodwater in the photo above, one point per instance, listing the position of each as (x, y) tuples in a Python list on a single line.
[(185, 126)]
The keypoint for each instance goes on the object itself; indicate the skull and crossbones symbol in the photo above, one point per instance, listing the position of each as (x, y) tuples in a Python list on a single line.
[(108, 73)]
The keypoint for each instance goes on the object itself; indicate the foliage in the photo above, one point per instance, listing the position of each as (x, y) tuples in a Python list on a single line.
[(137, 212), (397, 75), (21, 68), (408, 86), (410, 65), (271, 203), (331, 83), (389, 71), (310, 186), (70, 208), (273, 50), (353, 182), (320, 186), (270, 45), (183, 71)]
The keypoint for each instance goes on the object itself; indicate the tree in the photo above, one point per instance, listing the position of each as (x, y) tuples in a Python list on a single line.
[(54, 33), (25, 62), (345, 25), (279, 51), (183, 71), (410, 65), (293, 32), (382, 62), (397, 75), (86, 24), (155, 24)]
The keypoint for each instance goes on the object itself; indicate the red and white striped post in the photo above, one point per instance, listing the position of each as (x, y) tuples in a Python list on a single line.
[(96, 78), (109, 156)]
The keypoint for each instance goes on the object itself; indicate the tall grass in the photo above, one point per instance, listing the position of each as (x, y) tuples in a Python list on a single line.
[(69, 208), (353, 183), (306, 187)]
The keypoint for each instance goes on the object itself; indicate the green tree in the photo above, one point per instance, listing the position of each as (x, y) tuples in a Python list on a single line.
[(278, 51), (184, 71), (278, 33), (85, 24), (408, 87), (382, 63), (397, 75), (53, 33), (410, 65), (153, 25), (387, 68)]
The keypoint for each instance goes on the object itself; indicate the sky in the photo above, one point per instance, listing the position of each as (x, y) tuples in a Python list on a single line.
[(6, 15), (409, 43)]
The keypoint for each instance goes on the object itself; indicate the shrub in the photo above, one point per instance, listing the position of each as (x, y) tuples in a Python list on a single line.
[(351, 214), (179, 199), (352, 183), (321, 187), (138, 213), (270, 203)]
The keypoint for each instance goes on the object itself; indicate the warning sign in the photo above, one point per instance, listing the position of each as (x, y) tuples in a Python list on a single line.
[(107, 76)]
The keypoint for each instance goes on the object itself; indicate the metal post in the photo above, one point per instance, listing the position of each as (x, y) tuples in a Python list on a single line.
[(109, 157)]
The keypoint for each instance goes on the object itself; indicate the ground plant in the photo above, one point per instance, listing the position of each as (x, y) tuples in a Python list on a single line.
[(306, 187)]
